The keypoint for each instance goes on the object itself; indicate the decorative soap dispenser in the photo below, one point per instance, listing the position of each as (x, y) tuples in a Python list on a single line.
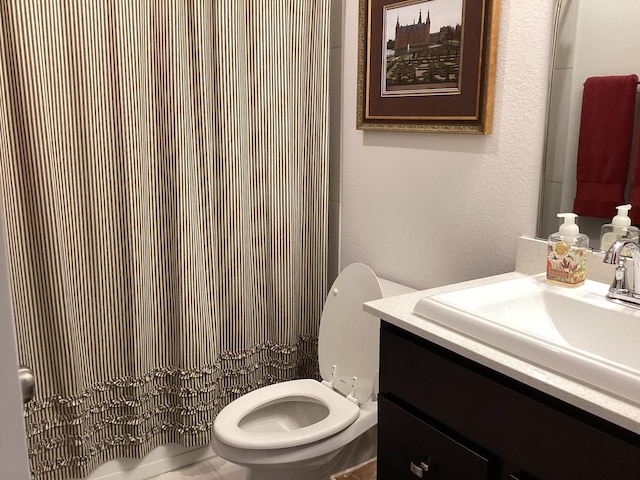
[(566, 259), (619, 227)]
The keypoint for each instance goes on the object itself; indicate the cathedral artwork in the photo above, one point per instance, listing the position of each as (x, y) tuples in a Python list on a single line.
[(427, 65), (422, 45)]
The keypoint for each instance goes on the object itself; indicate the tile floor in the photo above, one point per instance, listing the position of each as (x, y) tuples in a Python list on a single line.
[(210, 469), (219, 469)]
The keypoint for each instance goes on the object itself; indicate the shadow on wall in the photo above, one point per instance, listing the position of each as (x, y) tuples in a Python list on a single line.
[(478, 144)]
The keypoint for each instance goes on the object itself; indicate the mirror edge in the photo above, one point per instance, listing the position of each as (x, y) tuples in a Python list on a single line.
[(554, 43)]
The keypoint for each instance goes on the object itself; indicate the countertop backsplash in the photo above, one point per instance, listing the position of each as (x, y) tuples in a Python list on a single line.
[(531, 258)]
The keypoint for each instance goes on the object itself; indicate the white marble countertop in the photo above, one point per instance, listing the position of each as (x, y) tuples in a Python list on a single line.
[(398, 311)]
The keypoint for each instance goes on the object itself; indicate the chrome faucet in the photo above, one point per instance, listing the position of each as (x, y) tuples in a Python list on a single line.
[(621, 290)]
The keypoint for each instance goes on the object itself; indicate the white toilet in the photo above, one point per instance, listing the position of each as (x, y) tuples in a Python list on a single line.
[(305, 429)]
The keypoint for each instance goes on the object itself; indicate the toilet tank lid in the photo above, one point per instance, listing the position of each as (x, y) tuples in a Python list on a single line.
[(349, 336), (391, 289)]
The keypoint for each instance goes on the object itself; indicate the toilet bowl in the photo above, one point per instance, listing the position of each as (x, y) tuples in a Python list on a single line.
[(306, 428)]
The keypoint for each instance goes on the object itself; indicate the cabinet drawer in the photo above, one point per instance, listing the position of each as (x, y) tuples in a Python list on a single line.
[(533, 431), (406, 441)]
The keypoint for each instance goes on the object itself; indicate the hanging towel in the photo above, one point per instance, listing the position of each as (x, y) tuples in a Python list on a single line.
[(604, 144), (634, 194)]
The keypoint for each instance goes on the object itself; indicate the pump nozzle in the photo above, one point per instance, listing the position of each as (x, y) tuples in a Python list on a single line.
[(569, 227), (622, 218)]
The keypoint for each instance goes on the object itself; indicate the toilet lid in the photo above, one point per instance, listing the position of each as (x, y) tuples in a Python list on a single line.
[(348, 336)]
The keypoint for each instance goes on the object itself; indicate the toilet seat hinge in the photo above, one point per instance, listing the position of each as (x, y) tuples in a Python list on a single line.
[(352, 394), (334, 373)]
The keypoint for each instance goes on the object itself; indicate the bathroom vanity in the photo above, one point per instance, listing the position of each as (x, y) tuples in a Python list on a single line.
[(452, 407)]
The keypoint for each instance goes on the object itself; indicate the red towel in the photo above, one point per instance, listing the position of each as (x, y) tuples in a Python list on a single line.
[(604, 145)]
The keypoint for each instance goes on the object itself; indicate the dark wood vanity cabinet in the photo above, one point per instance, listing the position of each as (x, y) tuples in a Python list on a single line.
[(442, 416)]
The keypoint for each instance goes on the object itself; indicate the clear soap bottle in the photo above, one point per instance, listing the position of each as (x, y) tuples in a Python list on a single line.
[(566, 253), (619, 227)]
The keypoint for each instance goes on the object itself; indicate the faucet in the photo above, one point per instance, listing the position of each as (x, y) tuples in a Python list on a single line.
[(621, 291)]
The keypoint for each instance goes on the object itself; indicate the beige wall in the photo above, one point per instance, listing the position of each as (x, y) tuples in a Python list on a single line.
[(433, 209)]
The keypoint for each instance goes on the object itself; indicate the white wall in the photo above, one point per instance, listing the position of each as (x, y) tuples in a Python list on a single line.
[(433, 209), (13, 442)]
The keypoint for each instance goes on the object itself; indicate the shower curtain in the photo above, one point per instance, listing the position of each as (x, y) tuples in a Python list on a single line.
[(164, 170)]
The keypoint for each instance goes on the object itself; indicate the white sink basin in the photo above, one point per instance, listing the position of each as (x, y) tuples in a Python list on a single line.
[(573, 331)]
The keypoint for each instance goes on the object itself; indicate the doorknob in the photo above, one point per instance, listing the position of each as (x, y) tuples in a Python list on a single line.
[(27, 382)]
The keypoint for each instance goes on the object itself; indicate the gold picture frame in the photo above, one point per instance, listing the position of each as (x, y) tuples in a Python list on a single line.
[(414, 79)]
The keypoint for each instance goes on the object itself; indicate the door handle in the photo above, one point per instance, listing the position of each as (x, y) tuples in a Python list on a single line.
[(27, 383)]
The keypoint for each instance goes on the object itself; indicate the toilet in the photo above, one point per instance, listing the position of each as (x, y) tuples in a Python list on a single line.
[(306, 429)]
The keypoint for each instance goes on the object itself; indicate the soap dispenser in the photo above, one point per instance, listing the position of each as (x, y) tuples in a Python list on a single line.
[(566, 253), (619, 227)]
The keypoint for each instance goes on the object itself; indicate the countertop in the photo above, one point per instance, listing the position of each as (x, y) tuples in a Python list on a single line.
[(398, 311)]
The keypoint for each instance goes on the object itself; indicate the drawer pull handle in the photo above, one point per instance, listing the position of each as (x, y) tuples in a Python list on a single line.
[(419, 470)]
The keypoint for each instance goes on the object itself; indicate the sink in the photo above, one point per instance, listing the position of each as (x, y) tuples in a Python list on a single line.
[(575, 332)]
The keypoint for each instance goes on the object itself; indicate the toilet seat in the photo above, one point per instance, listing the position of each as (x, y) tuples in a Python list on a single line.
[(341, 414)]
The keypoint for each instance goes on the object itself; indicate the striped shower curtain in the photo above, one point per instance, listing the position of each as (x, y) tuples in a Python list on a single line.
[(164, 170)]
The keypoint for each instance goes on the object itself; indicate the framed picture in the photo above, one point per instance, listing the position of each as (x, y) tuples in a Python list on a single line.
[(427, 65)]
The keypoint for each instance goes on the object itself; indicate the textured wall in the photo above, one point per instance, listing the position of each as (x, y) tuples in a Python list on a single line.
[(433, 209)]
